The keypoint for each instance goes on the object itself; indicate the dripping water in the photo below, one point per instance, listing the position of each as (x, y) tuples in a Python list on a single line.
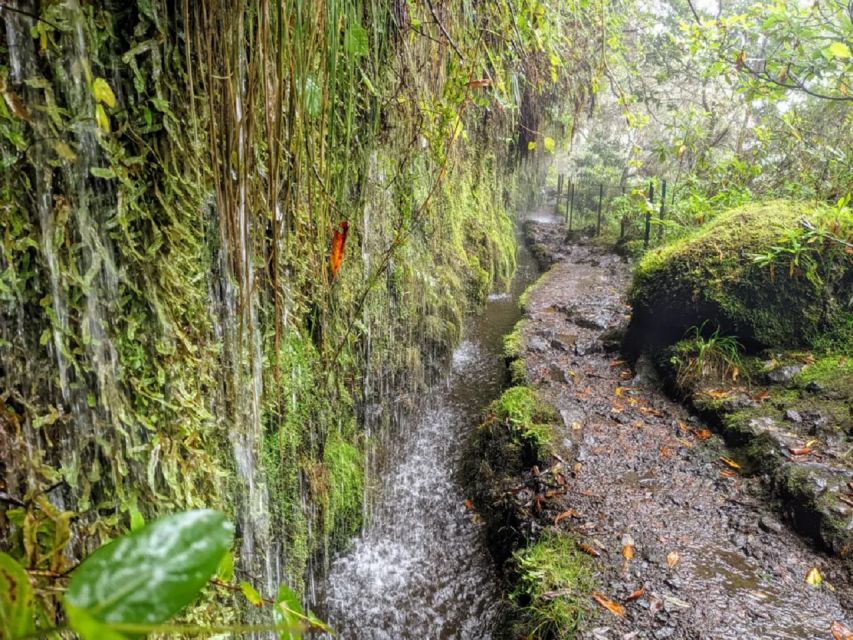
[(421, 569)]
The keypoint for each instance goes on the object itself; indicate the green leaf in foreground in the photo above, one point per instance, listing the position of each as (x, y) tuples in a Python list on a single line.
[(16, 600), (148, 576)]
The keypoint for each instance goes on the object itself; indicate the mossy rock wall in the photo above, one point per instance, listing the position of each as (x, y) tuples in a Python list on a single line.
[(171, 333), (715, 274)]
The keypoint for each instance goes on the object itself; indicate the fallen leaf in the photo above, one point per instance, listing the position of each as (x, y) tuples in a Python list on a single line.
[(799, 451), (336, 255), (846, 500), (479, 84), (814, 578), (565, 514), (627, 547), (702, 434), (761, 396), (726, 473), (617, 391), (613, 607), (840, 631), (730, 462), (589, 549), (468, 504), (672, 558), (665, 452), (616, 363), (636, 595)]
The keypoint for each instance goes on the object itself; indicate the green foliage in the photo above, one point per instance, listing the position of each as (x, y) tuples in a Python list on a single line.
[(699, 357), (552, 592), (709, 274), (148, 576), (521, 410), (17, 613)]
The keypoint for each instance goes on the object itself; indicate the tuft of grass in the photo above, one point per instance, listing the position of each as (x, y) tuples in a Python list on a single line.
[(552, 593), (526, 415), (715, 357)]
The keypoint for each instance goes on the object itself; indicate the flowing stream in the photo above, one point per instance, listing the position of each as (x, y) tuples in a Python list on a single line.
[(421, 568)]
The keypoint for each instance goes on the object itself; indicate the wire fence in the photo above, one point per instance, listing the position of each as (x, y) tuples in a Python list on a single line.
[(593, 206)]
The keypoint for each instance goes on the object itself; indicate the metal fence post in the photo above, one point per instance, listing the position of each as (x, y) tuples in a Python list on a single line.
[(570, 190), (559, 192), (662, 207), (600, 198), (571, 204), (649, 215)]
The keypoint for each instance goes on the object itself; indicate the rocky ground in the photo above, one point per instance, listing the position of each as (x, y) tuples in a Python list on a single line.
[(685, 541)]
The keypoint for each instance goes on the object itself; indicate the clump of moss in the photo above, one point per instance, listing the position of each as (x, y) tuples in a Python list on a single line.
[(343, 509), (753, 273), (514, 341), (552, 593)]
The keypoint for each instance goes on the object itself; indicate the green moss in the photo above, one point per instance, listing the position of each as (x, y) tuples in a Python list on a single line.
[(345, 468), (514, 340), (520, 408), (553, 588), (830, 371), (727, 272)]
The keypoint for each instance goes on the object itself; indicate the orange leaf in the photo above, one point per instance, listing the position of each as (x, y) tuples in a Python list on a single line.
[(702, 434), (730, 462), (799, 451), (615, 608), (840, 631), (726, 473), (565, 514), (468, 504), (336, 255), (636, 595), (672, 558), (761, 396), (588, 549), (479, 84)]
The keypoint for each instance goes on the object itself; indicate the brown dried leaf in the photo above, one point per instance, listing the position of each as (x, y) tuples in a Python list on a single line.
[(636, 595), (761, 396), (672, 559), (613, 607), (730, 462), (589, 549), (840, 631), (570, 513), (702, 434), (800, 451)]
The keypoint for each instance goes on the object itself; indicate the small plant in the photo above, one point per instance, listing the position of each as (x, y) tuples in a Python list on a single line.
[(697, 357), (554, 587)]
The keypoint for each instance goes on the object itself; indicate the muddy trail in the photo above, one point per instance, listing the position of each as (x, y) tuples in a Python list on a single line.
[(711, 559)]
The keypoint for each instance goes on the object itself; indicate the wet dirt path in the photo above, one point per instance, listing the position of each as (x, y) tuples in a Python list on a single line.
[(713, 561)]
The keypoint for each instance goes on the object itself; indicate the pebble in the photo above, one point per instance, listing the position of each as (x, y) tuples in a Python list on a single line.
[(770, 525), (793, 416)]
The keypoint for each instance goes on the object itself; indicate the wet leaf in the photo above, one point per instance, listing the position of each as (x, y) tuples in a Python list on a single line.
[(672, 559), (761, 396), (589, 549), (336, 255), (479, 84), (287, 613), (225, 570), (550, 145), (731, 463), (617, 391), (468, 504), (613, 607), (16, 600), (15, 105), (636, 595), (148, 576), (64, 151), (702, 434), (800, 451), (570, 513), (814, 578), (251, 594), (103, 93), (101, 118), (727, 473), (840, 631), (628, 547)]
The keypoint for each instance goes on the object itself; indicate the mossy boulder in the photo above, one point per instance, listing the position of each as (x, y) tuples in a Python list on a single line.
[(755, 273)]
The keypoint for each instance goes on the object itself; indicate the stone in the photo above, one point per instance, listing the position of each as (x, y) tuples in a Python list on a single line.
[(793, 415), (770, 525), (784, 374)]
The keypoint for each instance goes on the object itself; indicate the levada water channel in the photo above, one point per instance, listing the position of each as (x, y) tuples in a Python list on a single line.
[(421, 569)]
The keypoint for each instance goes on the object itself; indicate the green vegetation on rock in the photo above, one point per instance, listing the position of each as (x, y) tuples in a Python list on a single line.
[(752, 272)]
